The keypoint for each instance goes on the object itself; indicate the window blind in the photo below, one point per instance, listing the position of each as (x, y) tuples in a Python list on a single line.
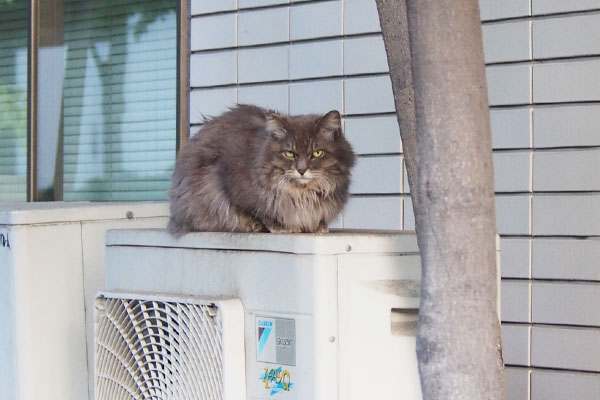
[(119, 99), (13, 100)]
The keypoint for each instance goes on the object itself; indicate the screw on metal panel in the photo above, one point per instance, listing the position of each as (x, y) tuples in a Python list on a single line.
[(332, 339), (129, 214), (212, 310), (100, 306), (348, 247)]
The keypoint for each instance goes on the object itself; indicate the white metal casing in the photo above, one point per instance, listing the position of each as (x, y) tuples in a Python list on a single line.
[(51, 267), (352, 297)]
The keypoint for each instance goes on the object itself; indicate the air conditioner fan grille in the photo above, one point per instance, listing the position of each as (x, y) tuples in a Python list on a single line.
[(158, 350)]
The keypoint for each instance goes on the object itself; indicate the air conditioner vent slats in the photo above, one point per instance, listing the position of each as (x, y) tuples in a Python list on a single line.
[(159, 350)]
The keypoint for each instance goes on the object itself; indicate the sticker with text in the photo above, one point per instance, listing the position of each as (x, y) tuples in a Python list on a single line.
[(276, 340), (277, 380)]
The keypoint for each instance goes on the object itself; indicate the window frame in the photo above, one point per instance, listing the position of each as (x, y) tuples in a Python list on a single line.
[(182, 91)]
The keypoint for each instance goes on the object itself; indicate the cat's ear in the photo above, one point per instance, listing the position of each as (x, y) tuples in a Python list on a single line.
[(276, 126), (330, 124)]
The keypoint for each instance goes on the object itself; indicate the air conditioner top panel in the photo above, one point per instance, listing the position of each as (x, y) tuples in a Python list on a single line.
[(335, 242), (55, 212)]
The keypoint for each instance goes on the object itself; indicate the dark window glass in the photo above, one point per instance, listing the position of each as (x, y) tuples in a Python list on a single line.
[(13, 100), (105, 99)]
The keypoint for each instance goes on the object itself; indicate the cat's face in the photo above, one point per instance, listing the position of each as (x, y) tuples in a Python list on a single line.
[(308, 152)]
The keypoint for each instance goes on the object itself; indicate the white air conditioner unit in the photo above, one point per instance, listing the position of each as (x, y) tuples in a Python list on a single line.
[(51, 268), (324, 317)]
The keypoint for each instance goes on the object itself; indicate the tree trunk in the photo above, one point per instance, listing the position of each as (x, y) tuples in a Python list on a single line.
[(458, 338), (392, 17)]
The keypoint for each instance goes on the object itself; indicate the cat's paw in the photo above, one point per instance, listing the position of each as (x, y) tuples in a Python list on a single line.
[(322, 228), (276, 228)]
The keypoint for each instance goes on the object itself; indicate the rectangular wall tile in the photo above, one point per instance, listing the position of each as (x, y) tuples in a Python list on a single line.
[(565, 170), (365, 55), (554, 385), (566, 303), (512, 171), (512, 214), (194, 129), (371, 135), (212, 69), (559, 6), (210, 6), (506, 41), (517, 383), (566, 36), (336, 223), (511, 128), (566, 348), (316, 59), (259, 3), (373, 213), (509, 84), (377, 175), (316, 97), (318, 19), (263, 26), (515, 301), (515, 257), (408, 215), (566, 259), (557, 82), (210, 103), (406, 183), (368, 95), (515, 344), (360, 16), (272, 96), (494, 9), (213, 32), (263, 64), (567, 126), (566, 215), (558, 126)]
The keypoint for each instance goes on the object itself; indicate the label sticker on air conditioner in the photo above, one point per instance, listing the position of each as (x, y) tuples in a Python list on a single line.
[(277, 380), (276, 340)]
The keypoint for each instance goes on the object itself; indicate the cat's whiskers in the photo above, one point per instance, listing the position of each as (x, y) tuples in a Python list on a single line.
[(325, 184)]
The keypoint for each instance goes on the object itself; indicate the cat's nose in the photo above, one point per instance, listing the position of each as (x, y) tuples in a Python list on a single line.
[(301, 166)]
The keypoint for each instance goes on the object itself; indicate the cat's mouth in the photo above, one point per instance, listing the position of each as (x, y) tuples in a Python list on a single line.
[(299, 179), (312, 181), (303, 178)]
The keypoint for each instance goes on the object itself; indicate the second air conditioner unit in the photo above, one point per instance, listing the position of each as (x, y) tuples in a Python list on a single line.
[(51, 268)]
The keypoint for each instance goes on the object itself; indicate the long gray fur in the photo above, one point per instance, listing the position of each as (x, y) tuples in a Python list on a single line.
[(233, 175)]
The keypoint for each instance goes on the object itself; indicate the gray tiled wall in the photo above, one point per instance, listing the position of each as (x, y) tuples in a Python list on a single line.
[(542, 67), (308, 57), (565, 385), (544, 91)]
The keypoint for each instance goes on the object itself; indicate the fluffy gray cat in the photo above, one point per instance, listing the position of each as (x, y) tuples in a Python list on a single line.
[(254, 170)]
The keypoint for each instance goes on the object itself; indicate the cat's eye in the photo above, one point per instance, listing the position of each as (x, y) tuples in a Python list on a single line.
[(317, 153), (289, 154)]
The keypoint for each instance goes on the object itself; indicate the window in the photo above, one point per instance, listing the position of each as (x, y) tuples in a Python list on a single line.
[(13, 100), (104, 101)]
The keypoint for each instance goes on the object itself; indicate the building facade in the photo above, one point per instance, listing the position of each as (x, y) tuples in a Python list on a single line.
[(106, 123)]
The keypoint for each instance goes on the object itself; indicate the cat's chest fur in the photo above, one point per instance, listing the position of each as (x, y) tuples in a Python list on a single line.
[(302, 209)]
